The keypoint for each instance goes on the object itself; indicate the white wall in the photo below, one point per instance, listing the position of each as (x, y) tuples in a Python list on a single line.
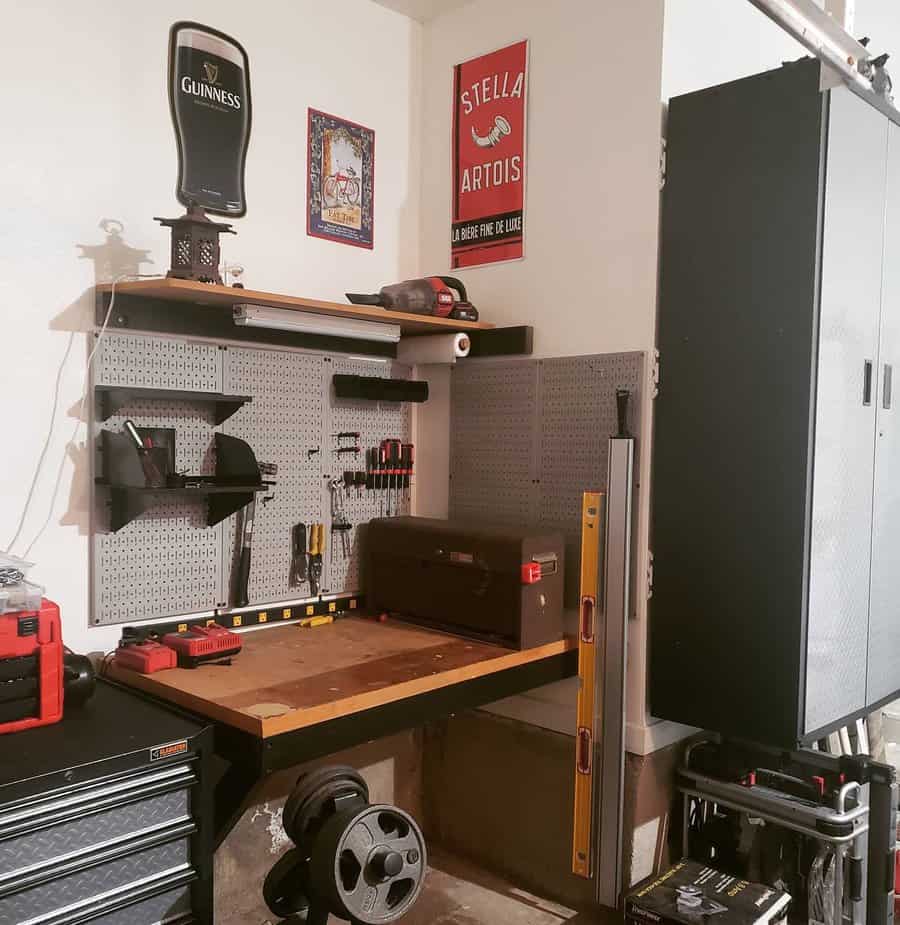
[(709, 42), (87, 136), (588, 280)]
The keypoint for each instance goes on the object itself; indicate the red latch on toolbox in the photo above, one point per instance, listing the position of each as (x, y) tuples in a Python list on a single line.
[(531, 573)]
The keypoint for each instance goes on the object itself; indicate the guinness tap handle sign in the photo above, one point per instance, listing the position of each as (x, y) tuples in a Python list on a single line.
[(209, 95)]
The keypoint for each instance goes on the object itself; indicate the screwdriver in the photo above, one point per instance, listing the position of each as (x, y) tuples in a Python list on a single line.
[(382, 468), (370, 470), (395, 453), (408, 460)]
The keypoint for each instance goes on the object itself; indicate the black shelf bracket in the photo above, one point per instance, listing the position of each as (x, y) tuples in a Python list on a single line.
[(517, 340), (237, 479), (112, 398)]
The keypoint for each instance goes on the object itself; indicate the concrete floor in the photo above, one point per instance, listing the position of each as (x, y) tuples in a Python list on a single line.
[(457, 893)]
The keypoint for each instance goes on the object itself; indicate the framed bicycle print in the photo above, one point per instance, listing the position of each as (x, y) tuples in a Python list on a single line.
[(340, 191)]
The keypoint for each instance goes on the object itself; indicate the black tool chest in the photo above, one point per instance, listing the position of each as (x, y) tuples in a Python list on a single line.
[(106, 817)]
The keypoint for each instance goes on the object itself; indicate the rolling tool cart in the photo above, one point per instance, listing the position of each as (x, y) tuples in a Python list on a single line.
[(825, 825), (106, 818)]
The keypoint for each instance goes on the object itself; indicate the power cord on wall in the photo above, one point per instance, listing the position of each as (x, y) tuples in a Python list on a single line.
[(78, 421)]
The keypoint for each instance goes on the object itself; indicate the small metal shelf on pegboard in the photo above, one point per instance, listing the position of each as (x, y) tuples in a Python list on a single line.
[(112, 398), (130, 501), (237, 477)]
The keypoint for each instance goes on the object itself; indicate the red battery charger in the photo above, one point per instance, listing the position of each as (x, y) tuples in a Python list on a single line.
[(200, 644), (145, 657), (31, 668)]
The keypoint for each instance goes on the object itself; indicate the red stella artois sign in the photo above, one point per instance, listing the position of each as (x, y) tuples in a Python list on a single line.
[(489, 107)]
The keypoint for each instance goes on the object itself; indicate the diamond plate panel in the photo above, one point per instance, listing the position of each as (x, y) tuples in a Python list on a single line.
[(62, 842), (157, 362), (493, 437), (158, 910), (283, 422), (375, 421), (85, 887), (529, 437)]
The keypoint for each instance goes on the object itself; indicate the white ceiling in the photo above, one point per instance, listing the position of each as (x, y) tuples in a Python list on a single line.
[(423, 10)]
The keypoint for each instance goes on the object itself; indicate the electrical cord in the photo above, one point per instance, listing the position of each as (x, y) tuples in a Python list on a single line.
[(78, 421)]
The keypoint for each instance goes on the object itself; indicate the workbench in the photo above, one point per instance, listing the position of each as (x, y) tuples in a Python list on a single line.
[(297, 693)]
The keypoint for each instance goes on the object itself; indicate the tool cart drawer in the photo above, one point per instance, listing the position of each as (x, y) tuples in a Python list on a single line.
[(106, 818), (87, 885), (170, 908), (51, 832)]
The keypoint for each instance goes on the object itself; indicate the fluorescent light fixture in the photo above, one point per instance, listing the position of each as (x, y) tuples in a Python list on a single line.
[(259, 316)]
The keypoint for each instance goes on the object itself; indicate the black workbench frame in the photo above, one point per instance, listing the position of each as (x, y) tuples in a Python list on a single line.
[(249, 759)]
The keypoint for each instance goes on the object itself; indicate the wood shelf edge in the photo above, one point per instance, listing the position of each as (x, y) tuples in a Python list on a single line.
[(224, 296)]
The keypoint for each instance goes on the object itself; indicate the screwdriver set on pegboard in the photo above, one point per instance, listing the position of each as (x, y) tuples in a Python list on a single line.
[(340, 462)]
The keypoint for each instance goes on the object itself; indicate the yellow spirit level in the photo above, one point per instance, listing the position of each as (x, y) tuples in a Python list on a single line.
[(589, 691)]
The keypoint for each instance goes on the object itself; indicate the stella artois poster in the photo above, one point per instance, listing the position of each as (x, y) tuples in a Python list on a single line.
[(489, 110)]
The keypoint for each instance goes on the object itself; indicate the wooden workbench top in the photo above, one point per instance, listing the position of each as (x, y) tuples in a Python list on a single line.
[(290, 677)]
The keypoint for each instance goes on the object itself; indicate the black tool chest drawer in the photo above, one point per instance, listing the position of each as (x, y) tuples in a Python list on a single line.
[(107, 822)]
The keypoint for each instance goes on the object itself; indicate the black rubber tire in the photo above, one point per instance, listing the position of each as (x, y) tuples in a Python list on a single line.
[(305, 810)]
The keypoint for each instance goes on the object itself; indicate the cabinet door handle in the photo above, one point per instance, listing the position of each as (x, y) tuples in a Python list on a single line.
[(888, 386), (867, 383)]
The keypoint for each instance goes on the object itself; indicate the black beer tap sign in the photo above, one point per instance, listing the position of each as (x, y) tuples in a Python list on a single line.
[(209, 95)]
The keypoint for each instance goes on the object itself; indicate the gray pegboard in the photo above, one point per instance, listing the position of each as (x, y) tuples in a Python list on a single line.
[(283, 422), (493, 432), (375, 421), (528, 437), (158, 362), (166, 562)]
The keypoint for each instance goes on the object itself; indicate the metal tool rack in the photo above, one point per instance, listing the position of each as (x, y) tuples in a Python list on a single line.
[(860, 827)]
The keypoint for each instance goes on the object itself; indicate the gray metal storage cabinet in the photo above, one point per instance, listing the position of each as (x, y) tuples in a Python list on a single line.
[(776, 499)]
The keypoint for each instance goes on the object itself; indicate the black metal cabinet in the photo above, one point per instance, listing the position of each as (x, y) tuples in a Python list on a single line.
[(774, 614), (106, 817)]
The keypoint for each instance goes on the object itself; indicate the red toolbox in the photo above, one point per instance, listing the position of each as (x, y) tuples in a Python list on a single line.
[(31, 668)]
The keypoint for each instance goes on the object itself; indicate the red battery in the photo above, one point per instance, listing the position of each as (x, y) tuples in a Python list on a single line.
[(202, 644), (31, 668), (146, 657)]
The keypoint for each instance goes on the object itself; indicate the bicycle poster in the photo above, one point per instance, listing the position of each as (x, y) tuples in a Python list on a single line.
[(340, 180), (489, 132)]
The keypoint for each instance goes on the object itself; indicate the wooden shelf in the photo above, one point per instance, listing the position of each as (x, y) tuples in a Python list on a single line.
[(181, 290)]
